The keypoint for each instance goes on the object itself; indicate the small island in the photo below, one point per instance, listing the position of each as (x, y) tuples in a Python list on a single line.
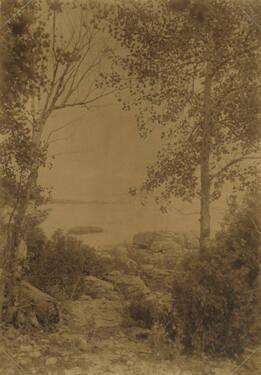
[(85, 230)]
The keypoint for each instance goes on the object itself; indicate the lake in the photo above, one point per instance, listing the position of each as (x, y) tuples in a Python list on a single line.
[(119, 220)]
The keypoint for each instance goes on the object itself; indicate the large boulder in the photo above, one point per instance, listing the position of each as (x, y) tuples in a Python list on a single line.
[(118, 251), (161, 240), (120, 259), (158, 279), (99, 317), (97, 288), (144, 240), (166, 246), (39, 306), (129, 286)]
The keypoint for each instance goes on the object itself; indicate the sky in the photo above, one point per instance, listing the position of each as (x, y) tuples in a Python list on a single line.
[(100, 154)]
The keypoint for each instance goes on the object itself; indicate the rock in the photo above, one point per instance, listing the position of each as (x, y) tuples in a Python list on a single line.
[(144, 240), (167, 246), (71, 339), (139, 333), (85, 298), (126, 265), (97, 288), (96, 317), (73, 371), (12, 333), (140, 256), (159, 279), (121, 261), (35, 354), (45, 306), (118, 251), (23, 361), (129, 286), (26, 348), (51, 361), (82, 344)]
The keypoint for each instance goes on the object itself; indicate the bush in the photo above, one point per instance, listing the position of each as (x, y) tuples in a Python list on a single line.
[(58, 265), (149, 312), (215, 293), (142, 312)]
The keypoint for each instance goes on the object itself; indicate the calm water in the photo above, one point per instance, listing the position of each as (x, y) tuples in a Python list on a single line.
[(120, 221)]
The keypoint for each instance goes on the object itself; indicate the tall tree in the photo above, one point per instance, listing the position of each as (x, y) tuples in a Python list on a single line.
[(48, 67), (192, 71)]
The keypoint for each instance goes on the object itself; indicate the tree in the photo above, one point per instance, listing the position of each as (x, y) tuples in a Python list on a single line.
[(192, 72), (216, 293), (46, 67)]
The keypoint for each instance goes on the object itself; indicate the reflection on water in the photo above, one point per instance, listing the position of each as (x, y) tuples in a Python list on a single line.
[(120, 221)]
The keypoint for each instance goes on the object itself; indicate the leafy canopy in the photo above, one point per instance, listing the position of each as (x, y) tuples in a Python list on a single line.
[(164, 48)]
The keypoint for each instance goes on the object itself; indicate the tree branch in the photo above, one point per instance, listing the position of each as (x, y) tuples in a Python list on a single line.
[(233, 162), (84, 103)]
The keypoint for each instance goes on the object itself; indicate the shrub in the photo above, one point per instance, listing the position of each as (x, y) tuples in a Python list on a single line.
[(162, 346), (58, 265), (215, 292), (148, 312), (143, 312)]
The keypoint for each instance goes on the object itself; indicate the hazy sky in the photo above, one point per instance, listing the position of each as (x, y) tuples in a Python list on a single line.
[(99, 156), (102, 154)]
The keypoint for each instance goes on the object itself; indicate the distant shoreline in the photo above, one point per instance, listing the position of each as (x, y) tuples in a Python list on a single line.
[(85, 230), (76, 201)]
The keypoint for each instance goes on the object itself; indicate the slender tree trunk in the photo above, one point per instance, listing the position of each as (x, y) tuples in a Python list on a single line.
[(2, 276), (14, 262), (204, 165)]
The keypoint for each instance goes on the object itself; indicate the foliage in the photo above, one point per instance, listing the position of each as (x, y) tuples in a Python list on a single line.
[(215, 294), (165, 67), (143, 312), (149, 312), (46, 68), (58, 265), (161, 344), (192, 75)]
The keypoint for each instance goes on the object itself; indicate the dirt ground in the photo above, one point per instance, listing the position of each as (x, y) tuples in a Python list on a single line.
[(67, 353)]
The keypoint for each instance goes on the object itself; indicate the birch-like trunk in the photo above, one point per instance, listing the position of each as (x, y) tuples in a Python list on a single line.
[(14, 261), (204, 165)]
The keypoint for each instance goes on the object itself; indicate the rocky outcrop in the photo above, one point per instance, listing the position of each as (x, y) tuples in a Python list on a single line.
[(129, 286), (158, 279), (158, 255), (144, 240), (95, 316), (164, 239), (39, 307), (97, 288)]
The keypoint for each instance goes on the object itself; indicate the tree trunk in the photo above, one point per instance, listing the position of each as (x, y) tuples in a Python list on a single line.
[(14, 262), (204, 165), (204, 200)]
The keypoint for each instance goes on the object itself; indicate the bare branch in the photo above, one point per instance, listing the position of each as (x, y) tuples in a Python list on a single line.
[(180, 211), (56, 130), (85, 103), (254, 223)]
